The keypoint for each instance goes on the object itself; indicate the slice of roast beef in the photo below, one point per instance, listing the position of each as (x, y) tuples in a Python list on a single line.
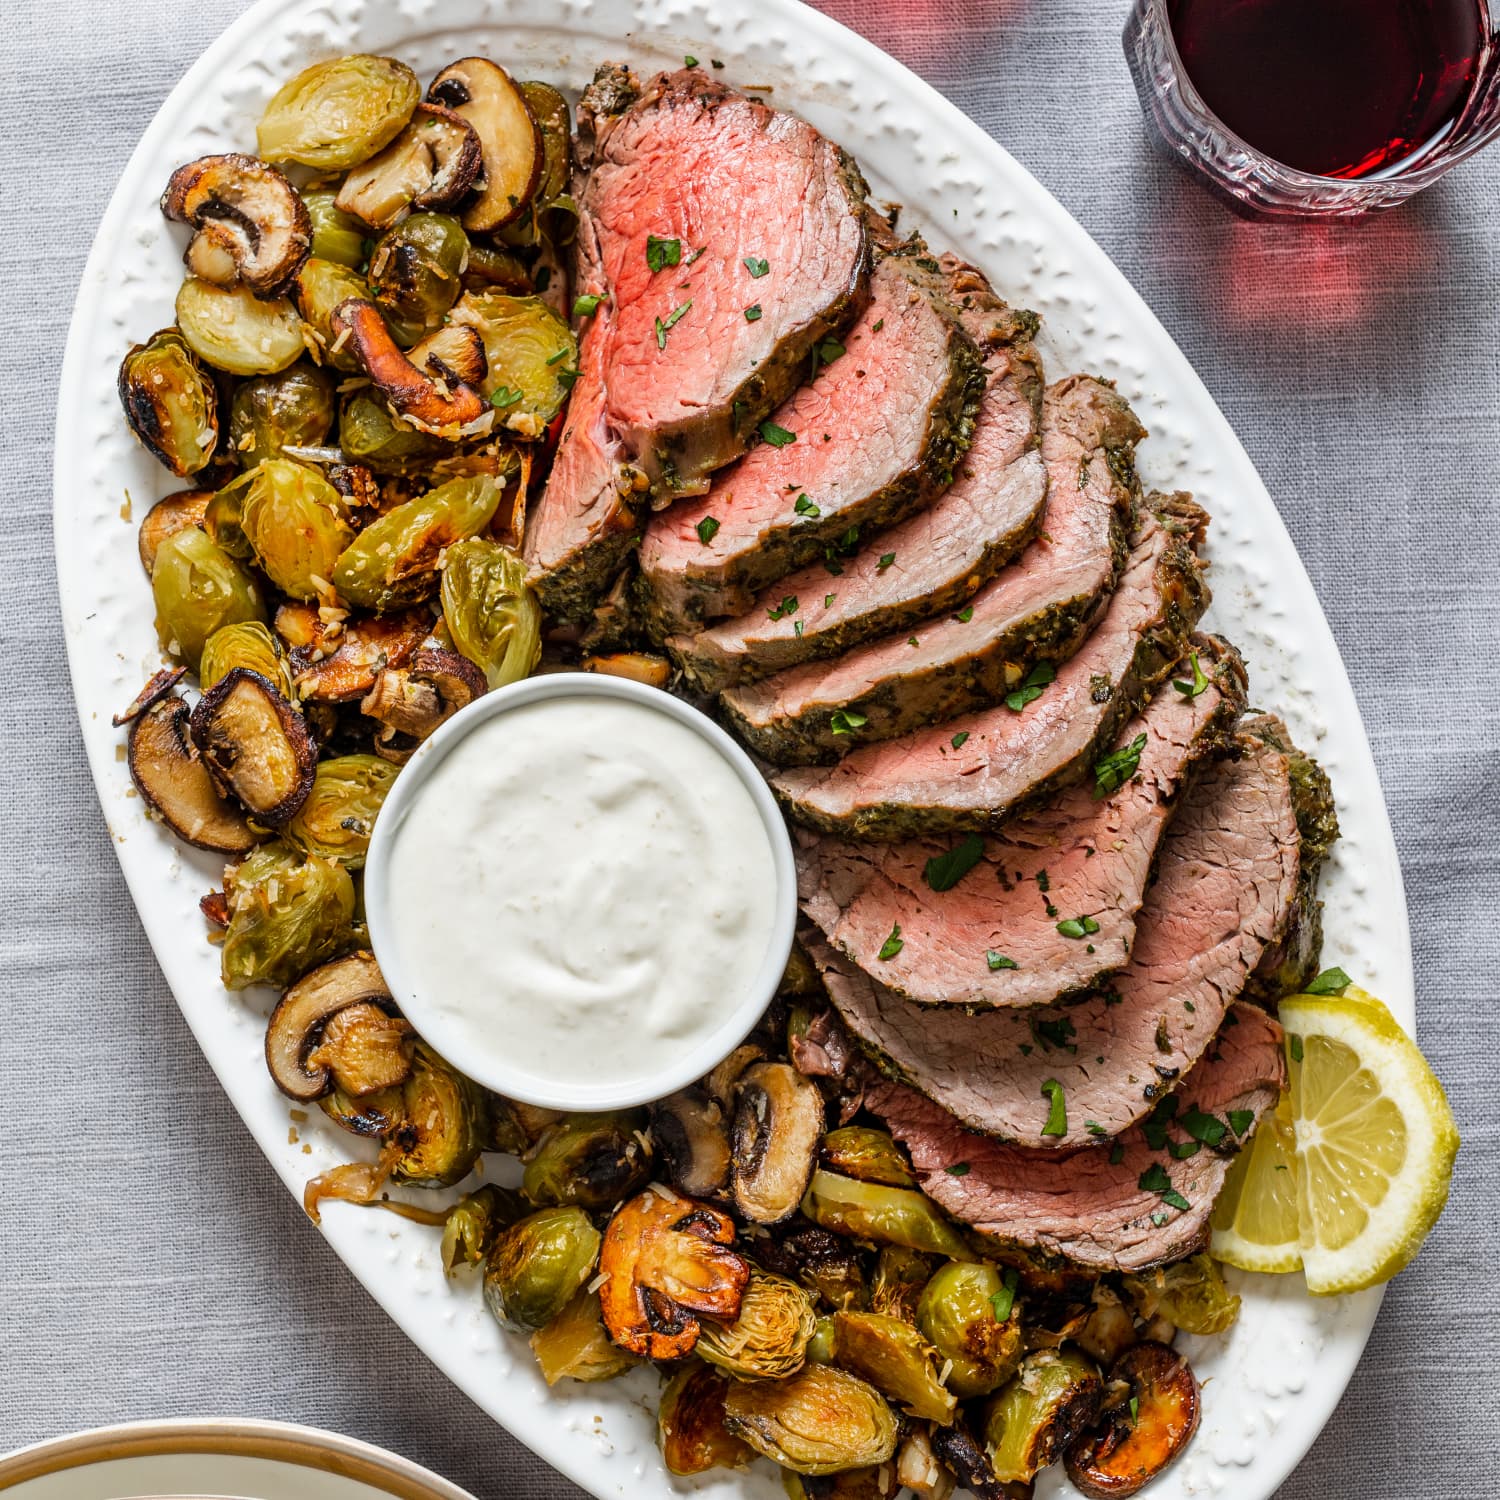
[(1039, 608), (1102, 1208), (1049, 904), (928, 564), (1231, 879), (872, 437), (970, 773)]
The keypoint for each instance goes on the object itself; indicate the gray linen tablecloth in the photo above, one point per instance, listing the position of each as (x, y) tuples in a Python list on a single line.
[(150, 1264)]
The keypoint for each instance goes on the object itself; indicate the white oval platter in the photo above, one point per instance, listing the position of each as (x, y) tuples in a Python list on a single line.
[(1272, 1383)]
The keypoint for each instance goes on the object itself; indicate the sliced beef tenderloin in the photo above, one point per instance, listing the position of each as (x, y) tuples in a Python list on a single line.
[(972, 772), (1232, 876), (1102, 1208), (928, 564), (1038, 609), (1040, 911), (871, 438)]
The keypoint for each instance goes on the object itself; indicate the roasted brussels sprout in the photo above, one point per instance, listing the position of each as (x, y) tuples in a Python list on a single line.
[(170, 402), (690, 1137), (336, 236), (918, 1469), (574, 1345), (531, 357), (490, 611), (957, 1312), (369, 434), (338, 817), (286, 914), (484, 94), (550, 111), (321, 286), (393, 561), (296, 407), (1054, 1396), (823, 1345), (895, 1358), (886, 1215), (778, 1121), (820, 1421), (300, 1020), (475, 1222), (495, 270), (290, 517), (256, 745), (166, 518), (336, 114), (870, 1155), (690, 1423), (1190, 1295), (445, 1122), (900, 1275), (199, 589), (665, 1259), (415, 272), (1152, 1416), (432, 164), (769, 1338), (373, 1116), (247, 644), (589, 1160), (230, 328), (537, 1266)]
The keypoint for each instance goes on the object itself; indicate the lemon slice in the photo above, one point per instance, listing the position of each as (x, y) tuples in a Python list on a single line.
[(1255, 1219), (1375, 1140)]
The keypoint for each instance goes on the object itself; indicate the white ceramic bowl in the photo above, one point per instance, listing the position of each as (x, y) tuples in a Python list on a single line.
[(502, 1068)]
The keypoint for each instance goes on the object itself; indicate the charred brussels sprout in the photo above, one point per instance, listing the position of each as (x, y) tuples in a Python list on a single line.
[(445, 1124), (170, 402), (247, 644), (335, 114), (286, 914), (869, 1155), (296, 407), (886, 1215), (574, 1345), (393, 561), (1190, 1295), (769, 1338), (822, 1346), (821, 1421), (415, 272), (199, 588), (336, 236), (550, 111), (232, 329), (339, 815), (588, 1160), (957, 1313), (531, 354), (537, 1266), (321, 286), (900, 1275), (895, 1358), (690, 1423), (1054, 1397), (475, 1222), (370, 435), (490, 611)]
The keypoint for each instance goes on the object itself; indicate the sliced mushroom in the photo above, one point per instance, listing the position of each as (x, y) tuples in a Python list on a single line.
[(964, 1457), (256, 744), (432, 397), (1151, 1417), (485, 95), (917, 1467), (692, 1136), (252, 226), (778, 1122), (666, 1259), (721, 1083), (158, 685), (638, 666), (431, 164), (411, 702), (166, 518), (365, 1050), (303, 1014), (340, 666)]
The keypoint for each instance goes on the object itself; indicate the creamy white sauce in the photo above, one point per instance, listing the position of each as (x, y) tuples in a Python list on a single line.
[(582, 886)]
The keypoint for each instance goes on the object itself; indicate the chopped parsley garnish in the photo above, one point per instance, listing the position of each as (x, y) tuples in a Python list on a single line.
[(1043, 881), (1094, 1127), (1330, 982), (878, 325), (788, 606), (1196, 686), (1160, 1217), (1116, 1154), (777, 437), (1057, 1108), (958, 1169), (1155, 1180), (707, 529), (1116, 768), (1181, 1150), (846, 721), (944, 871), (697, 255), (1240, 1120), (752, 313), (958, 739), (797, 629), (1209, 1129), (1077, 927), (588, 304), (1154, 1126), (893, 944), (664, 325), (1003, 1301), (886, 559), (1058, 1034), (1135, 1408), (662, 253), (756, 267), (502, 396), (1031, 689), (828, 600), (806, 507), (826, 352), (566, 377), (554, 359), (999, 961), (1294, 1046), (690, 61), (965, 614)]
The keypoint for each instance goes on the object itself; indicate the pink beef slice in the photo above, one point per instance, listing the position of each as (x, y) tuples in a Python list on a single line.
[(1084, 1207), (1078, 857), (971, 772), (1038, 609), (940, 556), (1232, 877), (873, 437)]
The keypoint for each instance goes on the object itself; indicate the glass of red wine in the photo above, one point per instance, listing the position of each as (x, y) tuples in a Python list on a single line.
[(1316, 108)]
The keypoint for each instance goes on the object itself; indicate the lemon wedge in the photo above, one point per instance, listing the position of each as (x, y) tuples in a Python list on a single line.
[(1255, 1219)]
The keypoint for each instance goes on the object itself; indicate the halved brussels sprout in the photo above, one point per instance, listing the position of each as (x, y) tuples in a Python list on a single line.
[(432, 164), (768, 1339), (292, 519), (588, 1160), (305, 1010), (373, 1116), (895, 1358), (690, 1423), (338, 817), (256, 745), (166, 518), (393, 561), (1190, 1295), (495, 270), (691, 1138), (415, 272), (369, 434), (286, 915), (336, 236), (886, 1215), (574, 1345), (321, 286), (475, 1222), (869, 1155), (531, 354), (484, 94), (267, 413), (550, 111), (900, 1275), (170, 402), (335, 114), (199, 588), (778, 1121), (957, 1313), (445, 1122), (230, 328), (248, 644), (490, 611), (820, 1421), (823, 1345), (537, 1266), (1032, 1422)]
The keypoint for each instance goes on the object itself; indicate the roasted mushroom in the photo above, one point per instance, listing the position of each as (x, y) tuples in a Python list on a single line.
[(959, 1311), (303, 1013), (170, 402), (574, 1345), (251, 225), (333, 115), (485, 95), (692, 1139), (720, 1084), (256, 745), (176, 785), (778, 1121), (340, 666), (636, 666), (490, 610), (410, 703), (873, 1482), (287, 914), (690, 1423), (868, 1154), (537, 1266), (166, 518), (588, 1160), (157, 687), (769, 1338), (199, 588), (1033, 1421), (1151, 1417), (965, 1458), (820, 1421), (917, 1467), (431, 164), (666, 1259), (886, 1215), (231, 329), (895, 1358)]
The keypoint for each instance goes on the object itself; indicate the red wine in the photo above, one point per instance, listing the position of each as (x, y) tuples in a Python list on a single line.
[(1338, 87)]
